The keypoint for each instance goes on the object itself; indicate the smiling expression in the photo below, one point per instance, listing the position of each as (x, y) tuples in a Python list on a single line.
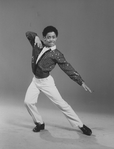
[(50, 39)]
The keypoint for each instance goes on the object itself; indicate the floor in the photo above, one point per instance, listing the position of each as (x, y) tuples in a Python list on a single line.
[(16, 130)]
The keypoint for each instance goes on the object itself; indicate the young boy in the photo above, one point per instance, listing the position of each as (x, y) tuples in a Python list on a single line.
[(45, 56)]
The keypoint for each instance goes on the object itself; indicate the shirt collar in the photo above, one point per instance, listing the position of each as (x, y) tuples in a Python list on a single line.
[(51, 48)]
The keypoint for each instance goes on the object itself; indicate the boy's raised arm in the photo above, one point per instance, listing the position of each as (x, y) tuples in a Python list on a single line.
[(34, 39), (31, 37)]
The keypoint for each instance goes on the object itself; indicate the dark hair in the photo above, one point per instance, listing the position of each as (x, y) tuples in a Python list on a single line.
[(49, 29)]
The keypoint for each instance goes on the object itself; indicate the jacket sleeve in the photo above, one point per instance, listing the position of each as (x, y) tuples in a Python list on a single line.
[(67, 68), (31, 37)]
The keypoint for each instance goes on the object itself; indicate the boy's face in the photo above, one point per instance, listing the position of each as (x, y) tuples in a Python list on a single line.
[(50, 39)]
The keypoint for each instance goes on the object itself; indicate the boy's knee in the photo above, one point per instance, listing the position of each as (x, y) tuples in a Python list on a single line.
[(26, 103)]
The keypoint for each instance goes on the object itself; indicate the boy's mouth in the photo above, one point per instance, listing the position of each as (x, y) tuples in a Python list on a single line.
[(51, 43)]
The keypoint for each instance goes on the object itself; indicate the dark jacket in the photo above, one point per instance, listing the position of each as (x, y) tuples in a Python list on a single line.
[(48, 61)]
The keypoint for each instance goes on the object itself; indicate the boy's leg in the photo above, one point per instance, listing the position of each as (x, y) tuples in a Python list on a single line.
[(30, 101), (50, 90)]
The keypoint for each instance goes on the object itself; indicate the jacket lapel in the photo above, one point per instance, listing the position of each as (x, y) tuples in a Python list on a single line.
[(44, 50)]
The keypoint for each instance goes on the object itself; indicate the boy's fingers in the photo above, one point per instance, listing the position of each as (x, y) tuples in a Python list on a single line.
[(38, 44), (89, 90)]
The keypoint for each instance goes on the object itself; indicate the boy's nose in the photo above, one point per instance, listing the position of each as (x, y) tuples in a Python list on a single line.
[(51, 40)]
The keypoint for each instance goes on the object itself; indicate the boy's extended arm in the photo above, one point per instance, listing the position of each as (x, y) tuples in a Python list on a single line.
[(67, 68), (70, 71)]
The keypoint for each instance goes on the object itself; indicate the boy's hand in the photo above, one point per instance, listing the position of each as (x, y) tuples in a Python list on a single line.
[(86, 87), (38, 42)]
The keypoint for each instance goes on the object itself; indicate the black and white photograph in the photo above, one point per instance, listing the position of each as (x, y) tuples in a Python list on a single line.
[(56, 74)]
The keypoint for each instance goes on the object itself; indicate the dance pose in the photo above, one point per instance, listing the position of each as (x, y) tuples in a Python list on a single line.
[(45, 56)]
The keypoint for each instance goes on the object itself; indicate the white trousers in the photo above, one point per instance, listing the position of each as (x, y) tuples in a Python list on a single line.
[(47, 86)]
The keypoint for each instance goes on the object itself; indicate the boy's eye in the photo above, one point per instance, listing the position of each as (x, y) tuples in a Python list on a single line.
[(49, 37)]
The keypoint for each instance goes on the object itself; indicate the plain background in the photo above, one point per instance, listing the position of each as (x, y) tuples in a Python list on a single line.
[(86, 37)]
